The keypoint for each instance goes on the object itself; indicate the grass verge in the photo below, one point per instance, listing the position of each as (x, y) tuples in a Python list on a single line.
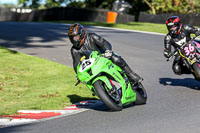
[(28, 82)]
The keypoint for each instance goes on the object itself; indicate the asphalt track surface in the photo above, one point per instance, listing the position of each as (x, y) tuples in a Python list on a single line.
[(173, 104)]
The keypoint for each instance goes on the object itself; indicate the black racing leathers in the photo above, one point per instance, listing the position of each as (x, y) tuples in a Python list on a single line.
[(93, 42), (177, 41)]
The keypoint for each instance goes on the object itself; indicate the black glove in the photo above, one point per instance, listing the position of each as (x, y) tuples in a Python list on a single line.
[(167, 54), (108, 53), (197, 31)]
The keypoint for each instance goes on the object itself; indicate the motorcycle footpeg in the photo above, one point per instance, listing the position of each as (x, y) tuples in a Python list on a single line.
[(122, 72), (112, 91), (126, 80), (134, 86)]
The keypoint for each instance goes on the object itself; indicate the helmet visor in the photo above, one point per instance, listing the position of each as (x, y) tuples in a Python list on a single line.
[(76, 37), (173, 28)]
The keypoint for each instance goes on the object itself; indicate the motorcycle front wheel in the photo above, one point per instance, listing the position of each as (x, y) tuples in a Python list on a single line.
[(196, 69), (105, 96), (141, 95)]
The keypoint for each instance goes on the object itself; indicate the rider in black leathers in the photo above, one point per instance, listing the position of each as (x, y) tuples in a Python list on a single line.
[(83, 41), (178, 33)]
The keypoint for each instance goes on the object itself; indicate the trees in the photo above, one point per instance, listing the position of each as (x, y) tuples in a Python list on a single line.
[(7, 5), (173, 6), (54, 3), (35, 4), (193, 6), (107, 4), (137, 7), (29, 3), (153, 6)]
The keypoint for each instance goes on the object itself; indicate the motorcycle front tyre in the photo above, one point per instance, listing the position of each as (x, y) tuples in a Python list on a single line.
[(141, 95), (103, 95)]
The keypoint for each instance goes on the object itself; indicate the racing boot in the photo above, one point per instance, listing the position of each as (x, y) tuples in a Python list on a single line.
[(132, 75)]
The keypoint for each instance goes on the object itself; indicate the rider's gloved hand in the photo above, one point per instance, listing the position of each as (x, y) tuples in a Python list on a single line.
[(166, 53), (108, 53), (197, 31)]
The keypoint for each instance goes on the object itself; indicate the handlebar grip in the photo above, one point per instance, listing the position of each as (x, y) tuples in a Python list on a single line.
[(171, 55)]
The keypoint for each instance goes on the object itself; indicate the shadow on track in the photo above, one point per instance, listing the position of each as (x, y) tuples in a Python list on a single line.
[(93, 103), (23, 35), (75, 98), (186, 82)]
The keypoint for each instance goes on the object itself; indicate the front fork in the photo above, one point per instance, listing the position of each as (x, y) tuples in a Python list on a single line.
[(115, 93), (196, 68)]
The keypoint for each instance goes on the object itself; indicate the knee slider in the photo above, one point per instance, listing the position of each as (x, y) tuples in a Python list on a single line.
[(177, 69), (118, 60)]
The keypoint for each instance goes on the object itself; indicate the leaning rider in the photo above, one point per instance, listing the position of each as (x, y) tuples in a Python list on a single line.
[(177, 35), (83, 41)]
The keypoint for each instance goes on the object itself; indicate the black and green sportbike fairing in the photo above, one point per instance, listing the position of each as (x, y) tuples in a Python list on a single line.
[(109, 82)]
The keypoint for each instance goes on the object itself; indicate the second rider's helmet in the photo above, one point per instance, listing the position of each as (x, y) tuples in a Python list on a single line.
[(76, 34), (174, 25)]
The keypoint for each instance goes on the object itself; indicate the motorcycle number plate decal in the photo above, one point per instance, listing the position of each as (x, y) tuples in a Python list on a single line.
[(189, 49), (86, 64)]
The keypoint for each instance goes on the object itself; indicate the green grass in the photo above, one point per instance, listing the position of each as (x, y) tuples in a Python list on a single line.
[(28, 82), (151, 27)]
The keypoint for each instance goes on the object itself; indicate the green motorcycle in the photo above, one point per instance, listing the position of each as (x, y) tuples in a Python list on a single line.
[(109, 82)]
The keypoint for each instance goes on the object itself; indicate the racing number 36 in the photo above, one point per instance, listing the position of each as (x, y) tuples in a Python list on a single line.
[(189, 49)]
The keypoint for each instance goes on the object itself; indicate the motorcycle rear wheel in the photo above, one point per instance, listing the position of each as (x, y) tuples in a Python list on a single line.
[(104, 96)]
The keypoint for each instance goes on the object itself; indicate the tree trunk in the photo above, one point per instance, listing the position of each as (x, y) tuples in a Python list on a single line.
[(151, 6)]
